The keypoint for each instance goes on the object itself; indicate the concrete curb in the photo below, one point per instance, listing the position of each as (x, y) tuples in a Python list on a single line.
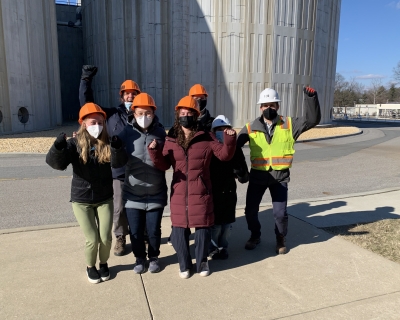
[(262, 206)]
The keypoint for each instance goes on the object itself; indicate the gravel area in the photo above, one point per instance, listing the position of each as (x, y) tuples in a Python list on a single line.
[(41, 141)]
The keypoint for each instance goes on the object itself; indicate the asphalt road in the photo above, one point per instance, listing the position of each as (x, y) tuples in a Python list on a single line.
[(33, 194)]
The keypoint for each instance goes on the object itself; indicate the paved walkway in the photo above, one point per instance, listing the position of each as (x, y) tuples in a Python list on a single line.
[(321, 277)]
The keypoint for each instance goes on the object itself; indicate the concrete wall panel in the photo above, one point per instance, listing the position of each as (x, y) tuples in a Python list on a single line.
[(30, 86), (70, 48), (235, 48)]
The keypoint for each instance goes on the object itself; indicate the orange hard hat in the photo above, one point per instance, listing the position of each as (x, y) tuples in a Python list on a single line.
[(129, 85), (188, 102), (143, 100), (89, 108), (197, 89)]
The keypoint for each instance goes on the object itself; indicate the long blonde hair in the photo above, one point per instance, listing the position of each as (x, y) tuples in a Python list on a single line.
[(85, 142)]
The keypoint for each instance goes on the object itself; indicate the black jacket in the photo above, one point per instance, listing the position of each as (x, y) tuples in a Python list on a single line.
[(91, 182), (206, 120), (299, 125), (223, 174), (117, 119)]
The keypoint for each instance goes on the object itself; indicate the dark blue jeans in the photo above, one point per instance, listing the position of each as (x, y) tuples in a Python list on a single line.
[(180, 242), (138, 221), (279, 197)]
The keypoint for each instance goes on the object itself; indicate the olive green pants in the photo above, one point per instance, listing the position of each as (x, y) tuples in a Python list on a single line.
[(95, 221)]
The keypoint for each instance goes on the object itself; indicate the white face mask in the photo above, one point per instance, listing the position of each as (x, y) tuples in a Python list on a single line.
[(95, 130), (128, 105), (144, 121), (220, 136)]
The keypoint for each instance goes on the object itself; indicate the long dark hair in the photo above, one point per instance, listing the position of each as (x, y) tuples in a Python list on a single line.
[(178, 131)]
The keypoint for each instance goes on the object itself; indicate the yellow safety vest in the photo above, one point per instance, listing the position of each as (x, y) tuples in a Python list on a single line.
[(279, 154)]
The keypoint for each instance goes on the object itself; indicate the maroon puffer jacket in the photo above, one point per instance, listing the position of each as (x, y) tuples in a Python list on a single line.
[(191, 195)]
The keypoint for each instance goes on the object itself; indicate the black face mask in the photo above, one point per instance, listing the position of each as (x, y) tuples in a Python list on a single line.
[(187, 121), (202, 104), (270, 113)]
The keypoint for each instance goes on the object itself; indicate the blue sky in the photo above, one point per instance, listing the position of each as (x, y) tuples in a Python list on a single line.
[(369, 40)]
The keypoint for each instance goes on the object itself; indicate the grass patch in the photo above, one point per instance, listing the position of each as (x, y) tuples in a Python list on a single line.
[(381, 237)]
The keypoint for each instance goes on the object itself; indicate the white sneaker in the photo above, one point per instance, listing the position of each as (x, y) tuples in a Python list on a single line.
[(184, 274), (204, 269)]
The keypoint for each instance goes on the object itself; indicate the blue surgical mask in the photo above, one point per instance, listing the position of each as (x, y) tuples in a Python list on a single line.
[(220, 136), (128, 105)]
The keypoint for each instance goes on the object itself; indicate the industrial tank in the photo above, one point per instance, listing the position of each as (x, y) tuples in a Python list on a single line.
[(29, 70), (235, 48)]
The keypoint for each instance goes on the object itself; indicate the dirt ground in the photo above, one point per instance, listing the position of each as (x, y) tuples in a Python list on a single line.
[(41, 141), (381, 237)]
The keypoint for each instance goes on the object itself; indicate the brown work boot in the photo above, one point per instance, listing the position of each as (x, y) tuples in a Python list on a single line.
[(280, 245), (119, 249), (252, 243)]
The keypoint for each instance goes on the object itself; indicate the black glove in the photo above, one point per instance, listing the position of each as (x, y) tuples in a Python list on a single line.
[(88, 72), (310, 91), (242, 175), (61, 141), (116, 142)]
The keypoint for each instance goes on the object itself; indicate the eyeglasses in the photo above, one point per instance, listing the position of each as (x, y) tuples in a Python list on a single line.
[(141, 114)]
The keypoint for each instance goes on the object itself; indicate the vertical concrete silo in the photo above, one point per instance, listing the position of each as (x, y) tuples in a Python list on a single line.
[(29, 71), (235, 48)]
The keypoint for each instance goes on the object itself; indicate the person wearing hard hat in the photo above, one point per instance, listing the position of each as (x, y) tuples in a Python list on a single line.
[(188, 150), (199, 93), (223, 175), (91, 187), (145, 188), (117, 119), (271, 140)]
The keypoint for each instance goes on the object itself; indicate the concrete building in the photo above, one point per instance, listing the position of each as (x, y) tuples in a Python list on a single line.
[(29, 71), (235, 48), (70, 48)]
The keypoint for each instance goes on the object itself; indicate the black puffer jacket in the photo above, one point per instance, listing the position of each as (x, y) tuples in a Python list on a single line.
[(223, 174), (117, 119), (91, 182)]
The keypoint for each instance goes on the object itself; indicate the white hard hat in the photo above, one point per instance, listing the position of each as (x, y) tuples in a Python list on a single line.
[(268, 95), (220, 121)]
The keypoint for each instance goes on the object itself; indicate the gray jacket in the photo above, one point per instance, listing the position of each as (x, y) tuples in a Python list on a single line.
[(145, 187), (299, 125)]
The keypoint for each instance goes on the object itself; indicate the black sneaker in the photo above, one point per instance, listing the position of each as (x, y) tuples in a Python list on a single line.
[(252, 243), (93, 275), (104, 271)]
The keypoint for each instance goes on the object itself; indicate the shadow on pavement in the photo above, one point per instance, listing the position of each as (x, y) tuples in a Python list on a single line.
[(312, 214)]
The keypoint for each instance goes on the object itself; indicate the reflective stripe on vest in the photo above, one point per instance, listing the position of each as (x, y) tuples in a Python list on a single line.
[(279, 154)]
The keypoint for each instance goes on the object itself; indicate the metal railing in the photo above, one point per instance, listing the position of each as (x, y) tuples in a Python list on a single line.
[(69, 2), (342, 116)]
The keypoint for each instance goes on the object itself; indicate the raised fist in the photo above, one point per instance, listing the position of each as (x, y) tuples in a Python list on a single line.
[(88, 72), (61, 141), (310, 91), (153, 144)]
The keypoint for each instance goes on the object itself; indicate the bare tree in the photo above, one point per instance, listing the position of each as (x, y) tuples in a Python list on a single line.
[(396, 72), (376, 84)]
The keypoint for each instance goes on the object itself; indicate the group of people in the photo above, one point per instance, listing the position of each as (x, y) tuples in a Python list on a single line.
[(119, 157)]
